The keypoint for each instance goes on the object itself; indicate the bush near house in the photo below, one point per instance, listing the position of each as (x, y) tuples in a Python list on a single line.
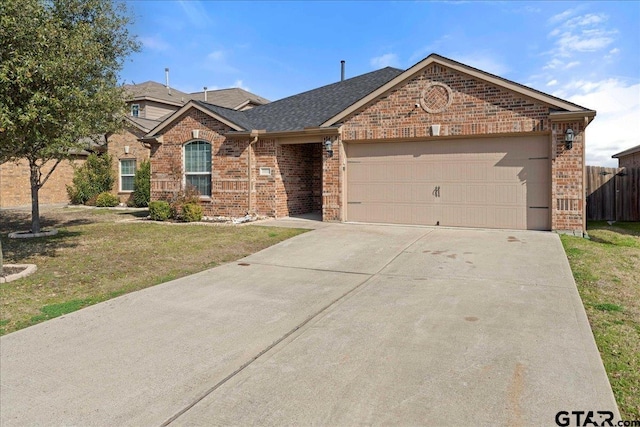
[(95, 176), (159, 210), (142, 185), (191, 212), (188, 196), (107, 200)]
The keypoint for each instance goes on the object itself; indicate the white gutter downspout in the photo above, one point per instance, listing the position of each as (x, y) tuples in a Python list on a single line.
[(253, 141)]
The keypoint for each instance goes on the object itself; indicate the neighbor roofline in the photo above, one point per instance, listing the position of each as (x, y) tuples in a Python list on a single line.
[(159, 100), (550, 100), (626, 152), (136, 124), (186, 107)]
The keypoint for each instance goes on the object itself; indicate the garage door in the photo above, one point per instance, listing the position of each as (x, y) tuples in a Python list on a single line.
[(482, 182)]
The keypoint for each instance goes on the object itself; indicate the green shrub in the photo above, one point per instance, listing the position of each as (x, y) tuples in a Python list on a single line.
[(159, 210), (95, 176), (107, 200), (191, 212), (142, 185), (189, 195)]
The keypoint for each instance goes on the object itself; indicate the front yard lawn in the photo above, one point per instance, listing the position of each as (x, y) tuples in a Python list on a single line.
[(99, 254), (607, 272)]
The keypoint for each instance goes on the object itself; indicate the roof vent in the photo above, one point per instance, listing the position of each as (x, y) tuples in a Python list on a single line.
[(166, 79), (205, 94), (342, 70)]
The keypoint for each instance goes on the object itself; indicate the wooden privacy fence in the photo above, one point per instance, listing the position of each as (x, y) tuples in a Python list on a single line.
[(613, 194)]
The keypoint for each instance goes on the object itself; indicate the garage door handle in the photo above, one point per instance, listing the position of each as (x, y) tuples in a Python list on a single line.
[(436, 191)]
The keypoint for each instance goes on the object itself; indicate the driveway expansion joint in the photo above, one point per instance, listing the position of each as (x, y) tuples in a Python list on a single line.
[(314, 316)]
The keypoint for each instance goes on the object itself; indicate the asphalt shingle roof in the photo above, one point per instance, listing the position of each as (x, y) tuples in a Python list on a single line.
[(155, 90), (307, 109), (314, 107), (229, 98), (235, 116)]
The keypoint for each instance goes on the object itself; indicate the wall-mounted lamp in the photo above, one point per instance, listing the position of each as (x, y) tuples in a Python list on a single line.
[(568, 139), (328, 146)]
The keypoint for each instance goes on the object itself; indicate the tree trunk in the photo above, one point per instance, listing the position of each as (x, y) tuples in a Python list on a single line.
[(35, 206)]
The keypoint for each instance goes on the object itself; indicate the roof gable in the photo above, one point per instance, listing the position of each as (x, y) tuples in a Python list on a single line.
[(551, 101), (224, 115)]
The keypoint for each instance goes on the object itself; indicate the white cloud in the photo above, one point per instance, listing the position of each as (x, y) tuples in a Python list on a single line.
[(553, 64), (196, 13), (585, 41), (616, 126), (386, 60), (588, 19), (572, 64), (561, 16), (154, 43), (552, 82), (614, 51), (217, 61), (239, 84)]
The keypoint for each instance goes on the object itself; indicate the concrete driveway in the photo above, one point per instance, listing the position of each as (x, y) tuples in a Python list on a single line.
[(347, 324)]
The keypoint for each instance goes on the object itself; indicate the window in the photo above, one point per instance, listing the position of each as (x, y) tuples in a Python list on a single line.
[(127, 173), (197, 166), (135, 110)]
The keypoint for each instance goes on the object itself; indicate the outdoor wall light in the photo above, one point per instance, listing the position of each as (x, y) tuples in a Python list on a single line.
[(568, 139), (328, 146)]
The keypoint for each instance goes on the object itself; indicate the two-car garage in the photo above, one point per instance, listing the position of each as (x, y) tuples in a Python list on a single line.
[(492, 182)]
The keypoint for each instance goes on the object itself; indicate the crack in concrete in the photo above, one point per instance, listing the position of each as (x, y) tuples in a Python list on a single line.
[(292, 331)]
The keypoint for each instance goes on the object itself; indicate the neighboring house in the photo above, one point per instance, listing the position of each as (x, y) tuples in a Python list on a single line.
[(148, 104), (15, 187), (441, 143), (628, 158)]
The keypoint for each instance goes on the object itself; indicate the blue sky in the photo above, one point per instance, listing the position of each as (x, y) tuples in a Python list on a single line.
[(585, 52)]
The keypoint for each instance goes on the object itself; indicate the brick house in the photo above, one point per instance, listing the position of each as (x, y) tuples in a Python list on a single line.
[(440, 143), (629, 158), (148, 104)]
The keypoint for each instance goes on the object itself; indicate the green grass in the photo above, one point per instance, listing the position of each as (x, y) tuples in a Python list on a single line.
[(607, 271), (96, 256)]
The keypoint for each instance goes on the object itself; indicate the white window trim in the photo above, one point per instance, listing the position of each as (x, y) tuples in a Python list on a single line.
[(120, 190), (184, 168)]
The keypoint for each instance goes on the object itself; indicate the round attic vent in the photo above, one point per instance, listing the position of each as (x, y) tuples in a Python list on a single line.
[(436, 97)]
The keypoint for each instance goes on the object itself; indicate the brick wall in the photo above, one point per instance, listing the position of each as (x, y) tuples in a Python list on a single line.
[(117, 142), (229, 190), (300, 185), (568, 198), (332, 196), (15, 188), (477, 108), (292, 186)]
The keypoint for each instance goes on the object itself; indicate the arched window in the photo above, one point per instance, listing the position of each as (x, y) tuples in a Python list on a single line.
[(197, 166)]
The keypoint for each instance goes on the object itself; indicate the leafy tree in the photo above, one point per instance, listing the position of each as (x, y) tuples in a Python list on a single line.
[(59, 61), (142, 185)]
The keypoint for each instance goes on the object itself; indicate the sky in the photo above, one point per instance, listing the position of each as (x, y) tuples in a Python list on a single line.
[(584, 52)]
